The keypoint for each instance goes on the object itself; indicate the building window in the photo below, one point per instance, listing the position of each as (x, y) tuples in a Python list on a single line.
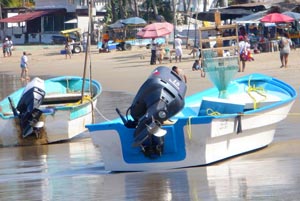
[(83, 2), (53, 23)]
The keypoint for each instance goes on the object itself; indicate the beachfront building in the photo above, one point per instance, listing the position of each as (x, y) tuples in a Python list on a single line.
[(47, 19)]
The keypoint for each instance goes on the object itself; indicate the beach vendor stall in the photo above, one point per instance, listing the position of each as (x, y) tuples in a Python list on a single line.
[(123, 35)]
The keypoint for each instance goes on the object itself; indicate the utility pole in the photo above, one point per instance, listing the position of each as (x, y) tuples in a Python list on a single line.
[(87, 52), (174, 20)]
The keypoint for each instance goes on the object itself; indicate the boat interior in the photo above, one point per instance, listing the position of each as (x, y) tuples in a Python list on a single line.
[(54, 99), (211, 106)]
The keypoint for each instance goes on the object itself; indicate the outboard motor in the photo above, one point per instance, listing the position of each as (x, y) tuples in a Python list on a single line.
[(27, 109), (158, 99)]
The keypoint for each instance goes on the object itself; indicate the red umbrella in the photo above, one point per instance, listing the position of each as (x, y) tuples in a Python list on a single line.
[(156, 30), (276, 18)]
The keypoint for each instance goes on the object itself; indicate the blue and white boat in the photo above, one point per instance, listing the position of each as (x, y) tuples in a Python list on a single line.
[(204, 130), (46, 111)]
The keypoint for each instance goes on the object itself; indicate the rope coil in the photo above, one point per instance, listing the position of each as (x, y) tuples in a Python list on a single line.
[(259, 90)]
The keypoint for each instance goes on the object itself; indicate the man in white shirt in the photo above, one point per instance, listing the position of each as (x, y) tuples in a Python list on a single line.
[(178, 48)]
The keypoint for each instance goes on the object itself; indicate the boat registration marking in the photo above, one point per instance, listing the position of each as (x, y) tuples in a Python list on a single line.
[(222, 127)]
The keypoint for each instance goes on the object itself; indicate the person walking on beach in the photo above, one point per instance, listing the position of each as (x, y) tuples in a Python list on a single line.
[(180, 72), (243, 51), (5, 47), (178, 48), (24, 67), (153, 52), (68, 48), (9, 46), (285, 44)]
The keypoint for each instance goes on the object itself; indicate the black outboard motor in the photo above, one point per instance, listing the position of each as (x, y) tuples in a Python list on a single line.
[(27, 109), (158, 99)]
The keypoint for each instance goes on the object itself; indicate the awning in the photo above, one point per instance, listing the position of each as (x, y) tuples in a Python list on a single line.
[(226, 14), (27, 16), (70, 31), (72, 21), (253, 18)]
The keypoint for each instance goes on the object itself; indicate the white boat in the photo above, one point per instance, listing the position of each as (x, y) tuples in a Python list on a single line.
[(205, 130), (48, 111)]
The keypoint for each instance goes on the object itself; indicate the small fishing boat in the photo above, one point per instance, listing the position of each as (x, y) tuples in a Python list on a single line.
[(164, 130), (46, 111)]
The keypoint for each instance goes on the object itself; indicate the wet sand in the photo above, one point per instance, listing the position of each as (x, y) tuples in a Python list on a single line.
[(73, 170)]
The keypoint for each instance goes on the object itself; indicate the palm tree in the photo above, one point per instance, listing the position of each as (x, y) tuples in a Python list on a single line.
[(12, 3), (15, 3), (154, 8), (4, 3)]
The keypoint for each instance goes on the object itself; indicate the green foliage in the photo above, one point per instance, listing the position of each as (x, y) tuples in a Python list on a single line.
[(165, 10), (163, 7), (16, 3), (108, 16)]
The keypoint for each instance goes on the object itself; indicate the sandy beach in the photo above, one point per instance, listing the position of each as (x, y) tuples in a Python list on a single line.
[(127, 70)]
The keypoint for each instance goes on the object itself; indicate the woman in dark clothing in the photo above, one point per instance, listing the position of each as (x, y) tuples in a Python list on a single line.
[(153, 52)]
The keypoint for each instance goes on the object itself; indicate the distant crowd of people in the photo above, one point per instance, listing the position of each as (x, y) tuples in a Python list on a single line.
[(159, 52)]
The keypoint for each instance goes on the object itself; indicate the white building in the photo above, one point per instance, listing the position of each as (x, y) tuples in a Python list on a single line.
[(48, 19), (51, 16)]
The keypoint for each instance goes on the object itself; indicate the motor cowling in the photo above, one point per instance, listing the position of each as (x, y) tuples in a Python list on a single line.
[(158, 99), (27, 108)]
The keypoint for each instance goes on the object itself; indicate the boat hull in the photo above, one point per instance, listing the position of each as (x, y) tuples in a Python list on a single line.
[(196, 139), (201, 143)]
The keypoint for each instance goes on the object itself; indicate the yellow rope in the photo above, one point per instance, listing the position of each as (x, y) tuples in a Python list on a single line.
[(189, 127), (84, 99), (258, 90), (210, 112)]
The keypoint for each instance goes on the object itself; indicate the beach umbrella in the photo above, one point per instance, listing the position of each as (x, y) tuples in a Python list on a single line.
[(226, 13), (253, 18), (134, 21), (294, 15), (117, 25), (276, 18), (155, 30)]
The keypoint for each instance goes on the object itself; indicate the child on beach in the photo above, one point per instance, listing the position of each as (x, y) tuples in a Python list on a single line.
[(197, 66)]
